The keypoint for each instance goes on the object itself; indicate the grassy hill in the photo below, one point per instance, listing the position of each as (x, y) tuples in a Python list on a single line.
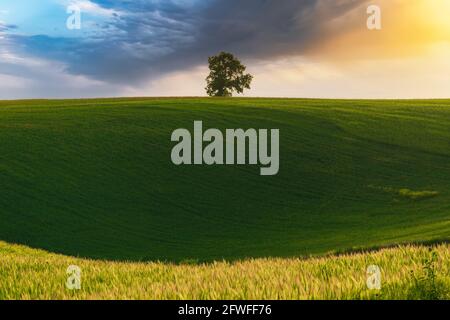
[(93, 178), (407, 272)]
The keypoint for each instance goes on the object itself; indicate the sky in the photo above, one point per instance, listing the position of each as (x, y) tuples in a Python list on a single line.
[(294, 48)]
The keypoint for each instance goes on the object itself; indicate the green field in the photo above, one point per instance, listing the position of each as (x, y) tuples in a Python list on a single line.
[(94, 179)]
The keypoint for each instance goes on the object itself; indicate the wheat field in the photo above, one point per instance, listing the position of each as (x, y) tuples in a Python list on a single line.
[(93, 179), (407, 272)]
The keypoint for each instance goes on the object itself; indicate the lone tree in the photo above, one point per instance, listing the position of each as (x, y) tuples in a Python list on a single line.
[(227, 75)]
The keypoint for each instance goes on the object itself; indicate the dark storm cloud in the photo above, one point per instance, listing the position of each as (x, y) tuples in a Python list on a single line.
[(148, 38)]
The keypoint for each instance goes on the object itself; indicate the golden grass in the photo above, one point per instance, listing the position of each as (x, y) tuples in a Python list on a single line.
[(408, 272)]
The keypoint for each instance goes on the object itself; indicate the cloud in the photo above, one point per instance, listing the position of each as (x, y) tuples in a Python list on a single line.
[(87, 6), (6, 27), (25, 76), (150, 38), (144, 44)]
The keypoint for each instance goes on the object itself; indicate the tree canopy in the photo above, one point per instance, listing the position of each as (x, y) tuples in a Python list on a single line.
[(226, 76)]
